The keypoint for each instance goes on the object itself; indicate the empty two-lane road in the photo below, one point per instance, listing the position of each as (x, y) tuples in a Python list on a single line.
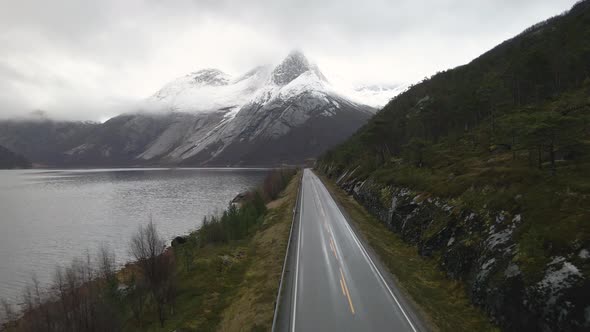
[(331, 282)]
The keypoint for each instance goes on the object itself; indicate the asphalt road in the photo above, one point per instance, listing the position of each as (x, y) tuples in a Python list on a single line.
[(332, 282)]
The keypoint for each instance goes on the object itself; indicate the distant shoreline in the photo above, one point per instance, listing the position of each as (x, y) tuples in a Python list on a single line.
[(157, 167)]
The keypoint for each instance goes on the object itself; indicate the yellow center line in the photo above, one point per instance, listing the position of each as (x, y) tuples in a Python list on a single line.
[(348, 297), (333, 247), (343, 284), (347, 292)]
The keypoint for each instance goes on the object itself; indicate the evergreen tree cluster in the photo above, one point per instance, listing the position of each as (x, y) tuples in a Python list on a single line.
[(530, 93)]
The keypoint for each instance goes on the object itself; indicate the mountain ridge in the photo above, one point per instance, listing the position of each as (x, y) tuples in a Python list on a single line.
[(279, 89), (208, 118)]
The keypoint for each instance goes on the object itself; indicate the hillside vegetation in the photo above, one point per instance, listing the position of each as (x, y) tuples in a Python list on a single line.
[(505, 135)]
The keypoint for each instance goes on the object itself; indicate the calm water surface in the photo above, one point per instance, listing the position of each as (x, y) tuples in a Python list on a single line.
[(49, 217)]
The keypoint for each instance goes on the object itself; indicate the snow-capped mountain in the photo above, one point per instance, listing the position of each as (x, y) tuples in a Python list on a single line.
[(211, 90), (290, 109), (270, 115)]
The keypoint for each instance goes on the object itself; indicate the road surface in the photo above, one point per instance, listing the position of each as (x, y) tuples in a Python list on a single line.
[(332, 283)]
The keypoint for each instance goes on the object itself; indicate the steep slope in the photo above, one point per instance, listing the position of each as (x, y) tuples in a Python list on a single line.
[(485, 168), (44, 141), (9, 159), (119, 140)]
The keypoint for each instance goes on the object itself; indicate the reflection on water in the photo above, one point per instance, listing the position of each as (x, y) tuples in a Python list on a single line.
[(49, 217)]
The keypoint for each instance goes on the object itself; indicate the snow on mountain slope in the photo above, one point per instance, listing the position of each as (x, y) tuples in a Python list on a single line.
[(263, 105), (210, 90), (307, 81)]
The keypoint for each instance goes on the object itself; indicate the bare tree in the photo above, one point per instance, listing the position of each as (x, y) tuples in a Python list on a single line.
[(156, 265), (106, 296), (106, 263), (9, 315), (146, 246), (83, 297), (28, 300), (30, 320), (61, 288), (73, 275), (42, 303)]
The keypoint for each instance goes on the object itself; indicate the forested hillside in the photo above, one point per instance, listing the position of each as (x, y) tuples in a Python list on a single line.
[(504, 142), (540, 77)]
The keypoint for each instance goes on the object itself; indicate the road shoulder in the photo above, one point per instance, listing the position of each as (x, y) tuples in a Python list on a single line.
[(433, 301)]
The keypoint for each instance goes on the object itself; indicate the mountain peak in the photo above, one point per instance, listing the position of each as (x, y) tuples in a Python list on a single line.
[(296, 55), (210, 76), (291, 67)]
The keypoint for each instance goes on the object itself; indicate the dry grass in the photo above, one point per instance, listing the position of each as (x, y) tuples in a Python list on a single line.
[(276, 203), (252, 307)]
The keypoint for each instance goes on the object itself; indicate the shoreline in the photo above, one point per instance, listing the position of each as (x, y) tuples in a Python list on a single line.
[(196, 246)]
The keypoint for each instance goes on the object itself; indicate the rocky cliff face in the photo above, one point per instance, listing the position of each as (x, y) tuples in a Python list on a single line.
[(480, 249), (43, 141)]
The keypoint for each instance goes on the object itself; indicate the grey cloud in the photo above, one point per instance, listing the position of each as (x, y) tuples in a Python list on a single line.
[(87, 59)]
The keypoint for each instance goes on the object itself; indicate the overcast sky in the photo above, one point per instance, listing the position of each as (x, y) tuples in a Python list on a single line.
[(88, 60)]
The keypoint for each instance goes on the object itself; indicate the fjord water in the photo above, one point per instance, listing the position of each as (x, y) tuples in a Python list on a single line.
[(48, 217)]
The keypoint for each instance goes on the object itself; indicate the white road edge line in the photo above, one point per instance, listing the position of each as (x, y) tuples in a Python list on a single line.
[(371, 263), (297, 261)]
